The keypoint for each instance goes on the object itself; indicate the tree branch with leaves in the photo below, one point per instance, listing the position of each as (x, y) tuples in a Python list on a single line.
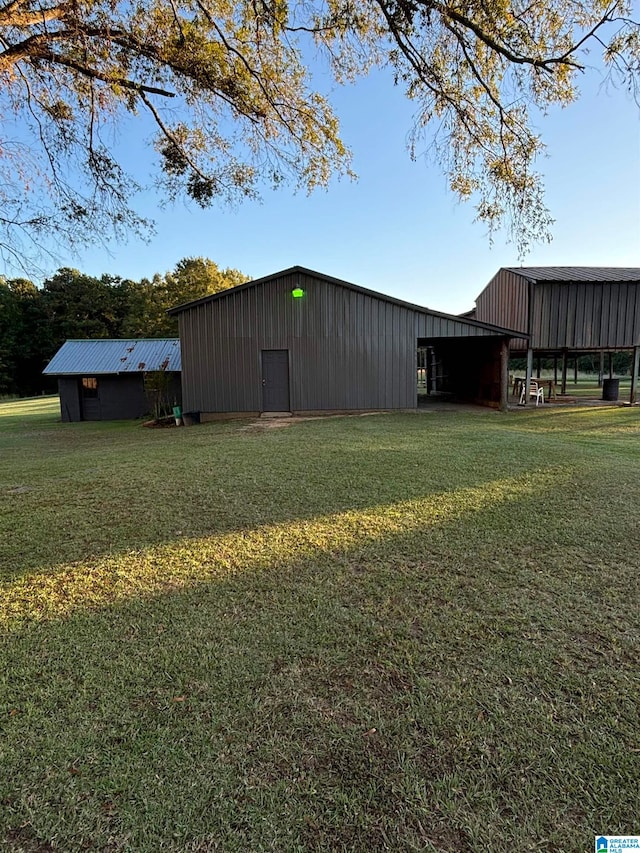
[(226, 86)]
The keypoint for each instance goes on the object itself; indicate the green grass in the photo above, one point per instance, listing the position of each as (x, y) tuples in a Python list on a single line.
[(396, 632), (587, 386)]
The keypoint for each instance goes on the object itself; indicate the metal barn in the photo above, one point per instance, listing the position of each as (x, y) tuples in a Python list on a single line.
[(300, 341), (566, 312), (101, 380)]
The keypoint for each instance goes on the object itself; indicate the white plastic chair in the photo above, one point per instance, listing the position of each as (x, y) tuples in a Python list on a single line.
[(535, 390)]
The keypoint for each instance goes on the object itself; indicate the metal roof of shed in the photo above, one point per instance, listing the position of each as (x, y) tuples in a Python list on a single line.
[(103, 355), (601, 274)]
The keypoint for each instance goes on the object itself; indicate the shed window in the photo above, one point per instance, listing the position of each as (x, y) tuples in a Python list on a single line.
[(89, 386)]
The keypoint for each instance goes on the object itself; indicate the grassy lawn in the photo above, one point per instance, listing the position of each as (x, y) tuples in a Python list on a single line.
[(587, 386), (395, 632)]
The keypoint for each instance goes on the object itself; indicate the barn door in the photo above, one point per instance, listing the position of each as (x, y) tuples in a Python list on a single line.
[(275, 380), (89, 399)]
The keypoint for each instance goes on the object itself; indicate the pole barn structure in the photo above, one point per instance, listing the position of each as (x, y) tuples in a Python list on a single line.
[(565, 312), (299, 341)]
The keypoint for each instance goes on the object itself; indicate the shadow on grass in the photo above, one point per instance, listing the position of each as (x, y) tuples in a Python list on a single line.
[(79, 495), (59, 590), (576, 419), (381, 682), (346, 635)]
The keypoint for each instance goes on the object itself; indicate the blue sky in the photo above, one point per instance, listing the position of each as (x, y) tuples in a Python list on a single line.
[(397, 229)]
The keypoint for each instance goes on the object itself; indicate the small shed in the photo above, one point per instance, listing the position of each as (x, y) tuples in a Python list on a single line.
[(565, 312), (301, 341), (103, 380)]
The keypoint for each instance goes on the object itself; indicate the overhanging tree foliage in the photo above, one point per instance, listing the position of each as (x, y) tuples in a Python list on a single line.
[(225, 85)]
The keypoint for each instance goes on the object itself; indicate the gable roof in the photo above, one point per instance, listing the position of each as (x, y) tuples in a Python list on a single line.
[(100, 356), (498, 330), (603, 274)]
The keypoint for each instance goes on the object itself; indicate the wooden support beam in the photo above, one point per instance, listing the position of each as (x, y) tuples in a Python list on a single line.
[(565, 359), (601, 371), (433, 379), (575, 370), (634, 375), (555, 369), (610, 365), (504, 375), (527, 380)]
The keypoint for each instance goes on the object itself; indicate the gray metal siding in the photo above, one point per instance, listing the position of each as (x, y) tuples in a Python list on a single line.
[(348, 349), (585, 315), (505, 302), (342, 348)]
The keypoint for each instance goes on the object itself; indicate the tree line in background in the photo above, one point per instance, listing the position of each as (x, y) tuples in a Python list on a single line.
[(590, 363), (36, 321)]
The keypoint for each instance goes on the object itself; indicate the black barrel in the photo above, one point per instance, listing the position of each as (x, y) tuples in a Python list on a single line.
[(610, 389)]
